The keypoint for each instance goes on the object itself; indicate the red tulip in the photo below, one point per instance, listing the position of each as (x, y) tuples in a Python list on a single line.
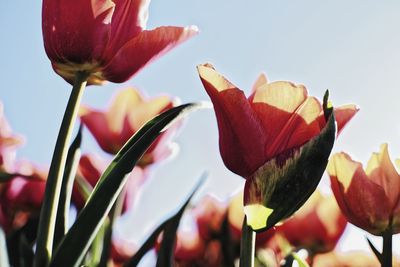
[(21, 197), (190, 245), (91, 168), (128, 112), (8, 143), (268, 138), (370, 198), (107, 39), (317, 226), (210, 214)]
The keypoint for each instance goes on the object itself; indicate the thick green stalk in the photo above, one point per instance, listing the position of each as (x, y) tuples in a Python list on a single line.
[(247, 246), (387, 249), (54, 180)]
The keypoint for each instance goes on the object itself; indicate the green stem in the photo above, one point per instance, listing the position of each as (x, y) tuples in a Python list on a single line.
[(115, 212), (54, 180), (387, 249), (71, 166), (247, 246)]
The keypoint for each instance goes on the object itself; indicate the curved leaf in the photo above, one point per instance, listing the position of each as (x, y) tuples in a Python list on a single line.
[(169, 223), (76, 242)]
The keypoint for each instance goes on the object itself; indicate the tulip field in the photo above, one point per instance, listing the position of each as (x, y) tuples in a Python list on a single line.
[(199, 133)]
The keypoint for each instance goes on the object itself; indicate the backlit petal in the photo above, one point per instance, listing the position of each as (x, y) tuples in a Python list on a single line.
[(129, 19), (381, 171), (142, 49), (362, 201), (241, 137)]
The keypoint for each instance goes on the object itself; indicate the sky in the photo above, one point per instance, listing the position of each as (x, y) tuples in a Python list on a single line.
[(349, 47)]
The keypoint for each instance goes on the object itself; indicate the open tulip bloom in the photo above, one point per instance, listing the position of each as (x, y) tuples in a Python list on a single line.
[(370, 198), (278, 139), (106, 39)]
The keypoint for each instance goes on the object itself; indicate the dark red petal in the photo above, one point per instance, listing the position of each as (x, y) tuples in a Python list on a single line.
[(142, 49), (362, 201), (129, 19), (76, 31), (241, 137), (343, 115)]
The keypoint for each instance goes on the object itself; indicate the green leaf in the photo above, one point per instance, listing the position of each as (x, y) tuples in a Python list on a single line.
[(115, 212), (71, 165), (76, 242), (165, 257), (375, 250), (169, 235), (227, 244), (25, 252)]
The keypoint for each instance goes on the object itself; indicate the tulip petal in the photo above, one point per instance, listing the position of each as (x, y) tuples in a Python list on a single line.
[(261, 80), (344, 114), (129, 19), (284, 187), (381, 171), (97, 123), (362, 201), (287, 115), (85, 45), (142, 49), (122, 104), (301, 127), (242, 138)]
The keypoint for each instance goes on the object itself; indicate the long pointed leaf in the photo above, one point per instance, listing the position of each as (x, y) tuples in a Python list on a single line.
[(150, 241), (78, 239), (71, 165), (115, 212), (375, 250)]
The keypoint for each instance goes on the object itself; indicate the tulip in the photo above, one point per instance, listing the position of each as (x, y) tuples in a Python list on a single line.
[(21, 197), (190, 245), (317, 226), (369, 198), (90, 169), (278, 139), (127, 113), (210, 214), (105, 39)]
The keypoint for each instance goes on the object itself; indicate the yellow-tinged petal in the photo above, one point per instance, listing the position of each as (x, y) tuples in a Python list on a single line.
[(218, 81), (257, 216), (121, 105), (285, 96), (261, 80), (381, 171), (346, 170), (147, 110), (397, 162)]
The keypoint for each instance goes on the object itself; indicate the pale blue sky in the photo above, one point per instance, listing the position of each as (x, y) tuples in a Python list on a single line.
[(350, 47)]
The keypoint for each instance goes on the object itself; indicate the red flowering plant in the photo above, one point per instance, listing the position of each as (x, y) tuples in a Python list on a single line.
[(370, 198), (278, 139)]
